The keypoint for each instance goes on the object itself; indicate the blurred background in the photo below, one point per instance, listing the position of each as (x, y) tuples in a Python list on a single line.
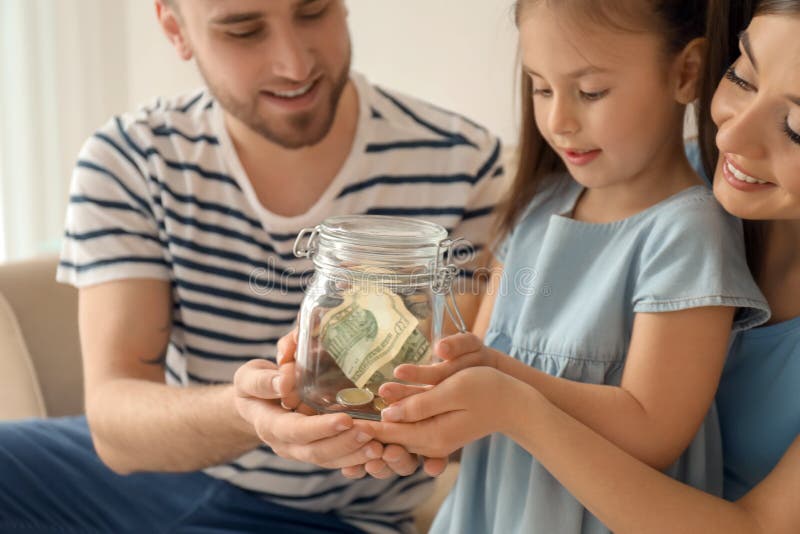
[(67, 66)]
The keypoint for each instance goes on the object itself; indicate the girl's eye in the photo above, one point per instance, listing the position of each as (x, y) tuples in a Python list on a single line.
[(793, 136), (594, 95), (732, 77), (542, 92)]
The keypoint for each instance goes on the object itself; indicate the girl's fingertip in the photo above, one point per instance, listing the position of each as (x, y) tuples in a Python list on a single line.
[(393, 414), (405, 371), (342, 422)]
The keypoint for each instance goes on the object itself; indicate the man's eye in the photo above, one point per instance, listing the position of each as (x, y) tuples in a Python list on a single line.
[(314, 10), (246, 34)]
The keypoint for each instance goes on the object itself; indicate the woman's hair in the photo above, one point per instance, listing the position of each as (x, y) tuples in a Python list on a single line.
[(679, 21), (727, 19)]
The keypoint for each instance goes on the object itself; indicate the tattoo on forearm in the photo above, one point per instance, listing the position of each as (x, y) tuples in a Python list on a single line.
[(160, 360)]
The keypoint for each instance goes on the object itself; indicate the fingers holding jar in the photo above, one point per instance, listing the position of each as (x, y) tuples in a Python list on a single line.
[(259, 379)]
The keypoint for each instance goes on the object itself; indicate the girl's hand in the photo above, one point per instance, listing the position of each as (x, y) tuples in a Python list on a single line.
[(466, 406), (459, 352)]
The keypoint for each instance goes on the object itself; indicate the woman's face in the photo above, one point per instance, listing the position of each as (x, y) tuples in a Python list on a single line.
[(757, 111)]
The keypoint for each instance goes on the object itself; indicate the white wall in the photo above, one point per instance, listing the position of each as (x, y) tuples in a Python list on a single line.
[(458, 54), (153, 67), (60, 78)]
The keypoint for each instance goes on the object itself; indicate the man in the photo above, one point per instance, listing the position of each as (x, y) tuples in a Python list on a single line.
[(179, 236)]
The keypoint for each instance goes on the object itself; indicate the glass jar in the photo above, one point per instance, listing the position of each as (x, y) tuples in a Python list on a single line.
[(376, 300)]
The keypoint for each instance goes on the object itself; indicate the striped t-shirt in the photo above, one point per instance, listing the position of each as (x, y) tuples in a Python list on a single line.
[(161, 194)]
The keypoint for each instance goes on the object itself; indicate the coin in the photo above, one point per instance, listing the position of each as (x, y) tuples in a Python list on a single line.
[(379, 404), (354, 397)]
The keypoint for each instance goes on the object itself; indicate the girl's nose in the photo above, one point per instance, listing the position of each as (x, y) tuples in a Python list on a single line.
[(562, 119)]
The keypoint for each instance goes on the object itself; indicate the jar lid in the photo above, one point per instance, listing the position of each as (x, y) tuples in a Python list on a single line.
[(374, 243), (382, 230)]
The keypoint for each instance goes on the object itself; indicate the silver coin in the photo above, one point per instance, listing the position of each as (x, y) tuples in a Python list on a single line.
[(354, 397), (379, 404)]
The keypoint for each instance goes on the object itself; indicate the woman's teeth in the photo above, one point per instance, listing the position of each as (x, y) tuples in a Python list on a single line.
[(742, 177)]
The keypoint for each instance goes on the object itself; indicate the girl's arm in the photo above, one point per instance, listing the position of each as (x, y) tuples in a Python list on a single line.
[(674, 363), (671, 375), (630, 497), (623, 492)]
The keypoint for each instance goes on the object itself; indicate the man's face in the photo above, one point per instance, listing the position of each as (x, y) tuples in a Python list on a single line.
[(278, 66)]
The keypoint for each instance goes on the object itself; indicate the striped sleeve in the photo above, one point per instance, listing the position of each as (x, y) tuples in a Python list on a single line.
[(112, 230)]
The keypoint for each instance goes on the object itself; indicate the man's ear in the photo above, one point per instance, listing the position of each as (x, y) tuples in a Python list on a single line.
[(170, 19), (688, 71)]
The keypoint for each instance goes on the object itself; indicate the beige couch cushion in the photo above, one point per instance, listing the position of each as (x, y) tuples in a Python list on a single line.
[(47, 320), (20, 396)]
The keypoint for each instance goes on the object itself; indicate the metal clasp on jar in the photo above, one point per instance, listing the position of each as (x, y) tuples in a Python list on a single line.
[(308, 249), (443, 277)]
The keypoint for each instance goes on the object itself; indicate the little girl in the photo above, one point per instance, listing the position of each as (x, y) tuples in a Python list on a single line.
[(620, 276)]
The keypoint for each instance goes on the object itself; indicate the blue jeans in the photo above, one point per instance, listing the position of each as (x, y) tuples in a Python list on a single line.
[(52, 481)]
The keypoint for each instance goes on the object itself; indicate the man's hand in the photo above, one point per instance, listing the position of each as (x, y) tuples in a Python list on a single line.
[(395, 460), (332, 441)]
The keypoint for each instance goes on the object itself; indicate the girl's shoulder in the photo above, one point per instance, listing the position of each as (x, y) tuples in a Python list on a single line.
[(693, 214)]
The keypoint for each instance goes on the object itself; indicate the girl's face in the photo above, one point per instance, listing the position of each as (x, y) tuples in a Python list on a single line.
[(757, 111), (602, 98)]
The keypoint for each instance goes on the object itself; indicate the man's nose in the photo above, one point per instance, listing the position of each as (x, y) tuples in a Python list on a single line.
[(292, 58)]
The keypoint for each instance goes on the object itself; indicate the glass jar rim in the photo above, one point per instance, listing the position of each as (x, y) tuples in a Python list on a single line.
[(382, 231)]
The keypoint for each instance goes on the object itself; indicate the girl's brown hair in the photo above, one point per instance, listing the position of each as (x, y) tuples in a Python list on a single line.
[(727, 19), (680, 21)]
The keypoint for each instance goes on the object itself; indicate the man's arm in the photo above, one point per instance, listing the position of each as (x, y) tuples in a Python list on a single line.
[(138, 423)]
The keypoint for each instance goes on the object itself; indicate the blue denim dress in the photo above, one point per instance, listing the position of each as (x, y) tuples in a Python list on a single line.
[(759, 403), (566, 306)]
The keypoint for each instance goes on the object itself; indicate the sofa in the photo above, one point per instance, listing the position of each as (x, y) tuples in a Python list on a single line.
[(40, 361)]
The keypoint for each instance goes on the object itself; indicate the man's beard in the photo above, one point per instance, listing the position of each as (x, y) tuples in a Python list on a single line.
[(295, 131)]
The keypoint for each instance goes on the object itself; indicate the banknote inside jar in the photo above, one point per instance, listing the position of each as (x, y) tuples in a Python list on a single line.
[(367, 330)]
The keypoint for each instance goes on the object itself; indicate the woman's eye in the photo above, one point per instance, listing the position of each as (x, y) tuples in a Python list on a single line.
[(732, 77), (793, 136), (542, 92), (593, 95)]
